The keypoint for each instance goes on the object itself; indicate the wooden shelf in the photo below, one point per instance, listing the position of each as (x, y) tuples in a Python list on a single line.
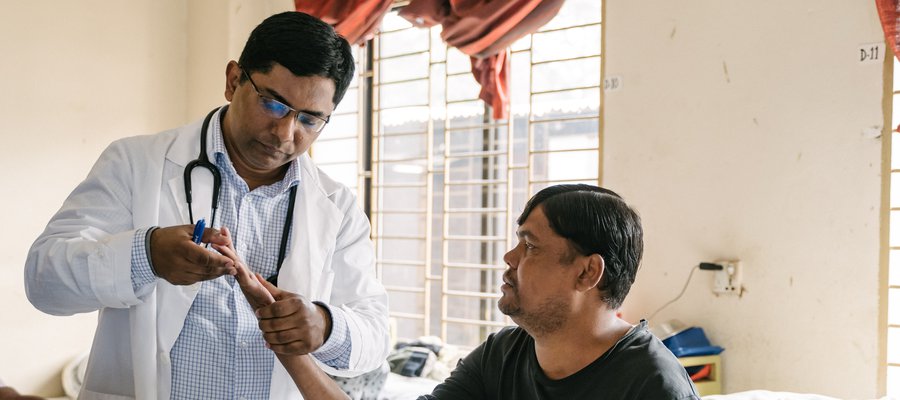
[(711, 384)]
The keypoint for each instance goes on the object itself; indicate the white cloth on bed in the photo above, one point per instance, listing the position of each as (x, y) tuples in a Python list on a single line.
[(767, 395)]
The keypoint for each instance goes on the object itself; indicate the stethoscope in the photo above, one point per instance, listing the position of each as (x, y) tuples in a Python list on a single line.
[(202, 161)]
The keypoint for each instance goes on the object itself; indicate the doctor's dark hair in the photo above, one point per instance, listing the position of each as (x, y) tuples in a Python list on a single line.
[(595, 220), (304, 45)]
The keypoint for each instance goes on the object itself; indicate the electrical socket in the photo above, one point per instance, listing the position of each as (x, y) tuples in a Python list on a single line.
[(729, 279)]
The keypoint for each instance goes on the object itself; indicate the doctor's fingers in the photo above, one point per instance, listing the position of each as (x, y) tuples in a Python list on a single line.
[(293, 335), (183, 278), (202, 257), (188, 277), (298, 347), (294, 321), (210, 272), (203, 265), (288, 304)]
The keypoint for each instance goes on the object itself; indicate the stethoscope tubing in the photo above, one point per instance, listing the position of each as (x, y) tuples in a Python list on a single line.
[(202, 161)]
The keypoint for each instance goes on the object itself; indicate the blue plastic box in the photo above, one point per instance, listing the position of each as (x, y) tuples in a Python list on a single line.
[(691, 342)]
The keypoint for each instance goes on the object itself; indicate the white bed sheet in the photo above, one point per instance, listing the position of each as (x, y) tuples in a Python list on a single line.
[(399, 387), (769, 395)]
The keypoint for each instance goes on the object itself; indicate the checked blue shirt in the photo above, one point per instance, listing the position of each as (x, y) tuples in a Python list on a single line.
[(220, 353)]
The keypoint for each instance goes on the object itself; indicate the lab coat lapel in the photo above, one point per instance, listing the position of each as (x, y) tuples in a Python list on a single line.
[(185, 149), (175, 301), (201, 194), (315, 228)]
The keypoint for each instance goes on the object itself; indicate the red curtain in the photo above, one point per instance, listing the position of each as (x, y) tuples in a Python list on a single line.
[(889, 12), (355, 20), (484, 29)]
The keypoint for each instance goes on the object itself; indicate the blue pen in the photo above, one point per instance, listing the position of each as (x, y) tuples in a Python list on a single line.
[(198, 230)]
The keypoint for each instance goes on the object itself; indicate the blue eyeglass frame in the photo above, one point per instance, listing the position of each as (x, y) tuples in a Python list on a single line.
[(278, 110)]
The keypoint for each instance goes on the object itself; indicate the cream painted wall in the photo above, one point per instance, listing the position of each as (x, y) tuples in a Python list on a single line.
[(742, 131), (78, 75), (749, 130), (74, 79), (216, 34)]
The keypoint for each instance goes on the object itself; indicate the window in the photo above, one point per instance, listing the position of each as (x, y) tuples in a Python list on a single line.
[(893, 318), (446, 180)]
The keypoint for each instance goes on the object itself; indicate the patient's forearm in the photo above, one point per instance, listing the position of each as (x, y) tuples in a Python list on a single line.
[(7, 392), (313, 383)]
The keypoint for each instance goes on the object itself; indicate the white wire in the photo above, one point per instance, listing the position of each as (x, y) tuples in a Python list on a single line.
[(650, 318)]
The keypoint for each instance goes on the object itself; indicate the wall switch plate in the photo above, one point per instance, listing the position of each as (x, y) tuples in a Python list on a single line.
[(729, 279)]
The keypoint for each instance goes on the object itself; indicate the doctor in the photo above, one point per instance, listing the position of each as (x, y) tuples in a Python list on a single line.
[(173, 323)]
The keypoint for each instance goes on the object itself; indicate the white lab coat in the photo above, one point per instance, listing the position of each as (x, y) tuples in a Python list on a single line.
[(82, 263)]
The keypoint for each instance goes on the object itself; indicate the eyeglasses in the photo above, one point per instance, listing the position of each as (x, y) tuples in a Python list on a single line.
[(278, 110)]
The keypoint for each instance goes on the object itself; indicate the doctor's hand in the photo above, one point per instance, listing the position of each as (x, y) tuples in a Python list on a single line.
[(177, 259), (292, 325)]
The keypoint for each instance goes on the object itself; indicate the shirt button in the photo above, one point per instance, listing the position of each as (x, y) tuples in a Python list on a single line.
[(242, 398), (243, 346)]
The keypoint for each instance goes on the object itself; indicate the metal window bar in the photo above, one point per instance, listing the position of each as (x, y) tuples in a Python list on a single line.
[(401, 159), (398, 185), (475, 210), (407, 80), (476, 322), (473, 266), (397, 314), (403, 211), (407, 289), (562, 28), (395, 134), (471, 127), (473, 182), (568, 89), (556, 60), (400, 237), (330, 163)]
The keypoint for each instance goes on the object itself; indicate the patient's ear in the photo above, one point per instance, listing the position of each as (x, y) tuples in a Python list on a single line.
[(592, 269)]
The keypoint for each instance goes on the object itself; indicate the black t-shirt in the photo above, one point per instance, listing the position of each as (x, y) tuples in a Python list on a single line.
[(505, 366)]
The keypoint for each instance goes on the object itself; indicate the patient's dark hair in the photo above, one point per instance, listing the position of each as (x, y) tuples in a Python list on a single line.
[(304, 45), (595, 220)]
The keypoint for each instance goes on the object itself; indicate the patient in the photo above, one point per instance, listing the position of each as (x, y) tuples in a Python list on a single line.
[(578, 251)]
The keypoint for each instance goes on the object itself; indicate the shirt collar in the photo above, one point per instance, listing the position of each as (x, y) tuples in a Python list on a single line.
[(291, 178)]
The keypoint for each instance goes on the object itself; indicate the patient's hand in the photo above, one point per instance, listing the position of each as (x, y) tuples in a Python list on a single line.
[(9, 393), (251, 284), (291, 325)]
